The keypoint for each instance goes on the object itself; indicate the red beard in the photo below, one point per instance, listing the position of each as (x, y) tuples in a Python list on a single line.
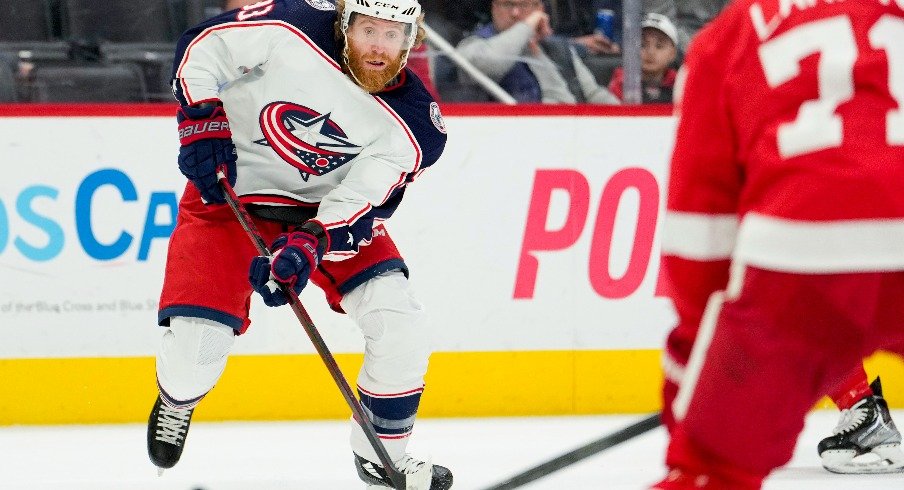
[(370, 80)]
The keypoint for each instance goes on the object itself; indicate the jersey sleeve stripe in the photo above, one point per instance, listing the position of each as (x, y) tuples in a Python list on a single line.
[(417, 174), (400, 183), (820, 247), (417, 148), (419, 155), (359, 214), (699, 236)]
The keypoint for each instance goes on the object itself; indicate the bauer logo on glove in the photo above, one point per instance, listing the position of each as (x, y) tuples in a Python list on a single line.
[(206, 146), (295, 256), (219, 127)]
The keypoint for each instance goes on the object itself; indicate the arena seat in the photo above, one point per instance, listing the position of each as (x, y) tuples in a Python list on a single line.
[(86, 82), (120, 20), (25, 20)]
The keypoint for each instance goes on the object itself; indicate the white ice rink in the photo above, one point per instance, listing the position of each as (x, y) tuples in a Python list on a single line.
[(315, 456)]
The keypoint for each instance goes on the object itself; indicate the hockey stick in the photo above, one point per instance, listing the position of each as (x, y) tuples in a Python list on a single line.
[(398, 478), (645, 425)]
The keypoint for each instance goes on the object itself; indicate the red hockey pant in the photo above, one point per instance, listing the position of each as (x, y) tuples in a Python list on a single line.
[(778, 344)]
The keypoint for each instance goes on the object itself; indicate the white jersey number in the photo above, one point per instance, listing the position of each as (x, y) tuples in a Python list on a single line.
[(255, 10), (888, 34), (817, 127)]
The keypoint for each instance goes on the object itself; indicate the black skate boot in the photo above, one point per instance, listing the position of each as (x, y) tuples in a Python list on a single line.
[(866, 429), (415, 470), (167, 430)]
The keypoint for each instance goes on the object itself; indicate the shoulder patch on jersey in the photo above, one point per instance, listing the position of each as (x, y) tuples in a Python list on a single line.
[(437, 117), (321, 4)]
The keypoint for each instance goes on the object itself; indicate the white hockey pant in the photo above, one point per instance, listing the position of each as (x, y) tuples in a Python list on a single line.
[(397, 347), (191, 358)]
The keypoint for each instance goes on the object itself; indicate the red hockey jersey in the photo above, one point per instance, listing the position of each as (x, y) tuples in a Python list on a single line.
[(790, 147)]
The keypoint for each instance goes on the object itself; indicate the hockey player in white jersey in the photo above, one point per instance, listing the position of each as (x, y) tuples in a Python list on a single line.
[(309, 109)]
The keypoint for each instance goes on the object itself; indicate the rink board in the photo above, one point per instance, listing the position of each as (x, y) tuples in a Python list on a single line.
[(464, 384), (533, 244)]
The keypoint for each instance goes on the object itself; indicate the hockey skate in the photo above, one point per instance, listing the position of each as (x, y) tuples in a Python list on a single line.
[(865, 440), (167, 430), (420, 475)]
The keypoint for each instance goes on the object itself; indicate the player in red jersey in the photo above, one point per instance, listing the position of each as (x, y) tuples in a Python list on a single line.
[(784, 231)]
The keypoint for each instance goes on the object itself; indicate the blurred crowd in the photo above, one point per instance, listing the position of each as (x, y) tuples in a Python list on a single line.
[(537, 51)]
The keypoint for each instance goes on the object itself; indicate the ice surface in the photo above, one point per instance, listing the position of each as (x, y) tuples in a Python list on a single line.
[(315, 456)]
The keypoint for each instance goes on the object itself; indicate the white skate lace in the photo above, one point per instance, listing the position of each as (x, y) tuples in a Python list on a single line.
[(408, 465), (172, 424), (851, 419)]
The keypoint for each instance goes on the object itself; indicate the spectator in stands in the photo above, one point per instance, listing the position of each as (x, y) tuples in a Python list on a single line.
[(452, 21), (577, 20), (519, 51), (688, 15), (658, 50), (455, 19), (601, 52)]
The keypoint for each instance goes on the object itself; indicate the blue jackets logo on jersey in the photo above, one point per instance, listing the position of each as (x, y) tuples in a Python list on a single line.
[(305, 139)]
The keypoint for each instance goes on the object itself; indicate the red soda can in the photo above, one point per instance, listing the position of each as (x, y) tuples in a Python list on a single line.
[(605, 22)]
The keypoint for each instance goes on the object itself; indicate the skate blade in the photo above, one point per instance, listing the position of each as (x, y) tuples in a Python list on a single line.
[(883, 459), (160, 471)]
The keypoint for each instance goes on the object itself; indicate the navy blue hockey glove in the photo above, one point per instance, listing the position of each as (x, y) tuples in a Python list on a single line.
[(206, 146), (295, 256)]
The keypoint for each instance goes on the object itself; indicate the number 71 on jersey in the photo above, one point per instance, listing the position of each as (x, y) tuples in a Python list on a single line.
[(817, 126)]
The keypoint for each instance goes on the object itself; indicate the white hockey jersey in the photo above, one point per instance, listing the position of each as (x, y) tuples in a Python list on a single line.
[(306, 135)]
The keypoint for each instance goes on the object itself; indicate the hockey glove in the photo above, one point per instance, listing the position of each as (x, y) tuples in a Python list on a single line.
[(295, 256), (206, 146)]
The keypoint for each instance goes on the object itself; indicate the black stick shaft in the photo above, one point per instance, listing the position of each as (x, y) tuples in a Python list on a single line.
[(398, 478), (579, 454)]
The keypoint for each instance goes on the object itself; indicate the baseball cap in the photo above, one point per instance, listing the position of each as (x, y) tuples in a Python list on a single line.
[(662, 24)]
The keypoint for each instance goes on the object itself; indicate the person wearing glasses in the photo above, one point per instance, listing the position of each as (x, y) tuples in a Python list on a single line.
[(519, 51)]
